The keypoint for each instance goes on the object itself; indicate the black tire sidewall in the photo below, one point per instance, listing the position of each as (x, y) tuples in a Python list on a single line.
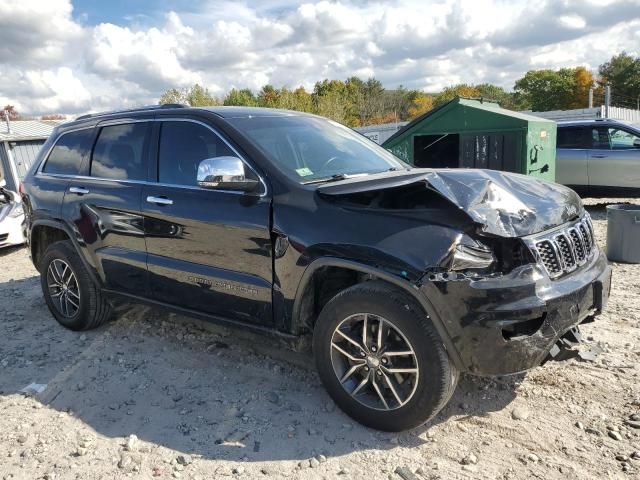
[(436, 373), (64, 251)]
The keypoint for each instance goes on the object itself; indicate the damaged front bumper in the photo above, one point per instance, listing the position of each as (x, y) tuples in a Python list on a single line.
[(509, 323)]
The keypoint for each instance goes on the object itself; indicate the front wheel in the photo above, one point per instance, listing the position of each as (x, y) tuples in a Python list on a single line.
[(380, 358)]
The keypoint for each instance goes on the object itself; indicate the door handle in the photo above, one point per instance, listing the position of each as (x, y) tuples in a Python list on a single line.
[(79, 190), (598, 156), (159, 200)]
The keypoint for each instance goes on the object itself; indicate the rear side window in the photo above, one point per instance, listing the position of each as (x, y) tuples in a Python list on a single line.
[(572, 138), (67, 154), (183, 145), (119, 152)]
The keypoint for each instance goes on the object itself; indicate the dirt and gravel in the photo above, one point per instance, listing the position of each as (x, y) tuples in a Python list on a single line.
[(153, 395)]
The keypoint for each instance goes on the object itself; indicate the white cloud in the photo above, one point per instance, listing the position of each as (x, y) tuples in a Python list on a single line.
[(52, 61)]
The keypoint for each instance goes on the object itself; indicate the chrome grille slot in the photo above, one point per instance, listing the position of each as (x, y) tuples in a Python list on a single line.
[(564, 246), (549, 257), (563, 250)]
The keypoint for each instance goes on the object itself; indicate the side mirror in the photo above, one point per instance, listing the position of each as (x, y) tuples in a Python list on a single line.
[(636, 143), (225, 173)]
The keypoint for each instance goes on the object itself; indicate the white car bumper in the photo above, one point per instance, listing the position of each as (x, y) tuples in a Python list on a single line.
[(11, 231)]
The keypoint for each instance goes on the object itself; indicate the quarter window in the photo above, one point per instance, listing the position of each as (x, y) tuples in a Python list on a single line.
[(119, 152), (67, 154), (183, 145), (571, 138)]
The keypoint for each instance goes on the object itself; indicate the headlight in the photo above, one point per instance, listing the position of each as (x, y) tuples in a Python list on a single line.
[(471, 257), (17, 211)]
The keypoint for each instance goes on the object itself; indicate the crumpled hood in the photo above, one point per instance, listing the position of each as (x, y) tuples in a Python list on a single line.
[(503, 204)]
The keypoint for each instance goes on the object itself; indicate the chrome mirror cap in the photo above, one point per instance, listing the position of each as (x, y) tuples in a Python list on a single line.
[(224, 173)]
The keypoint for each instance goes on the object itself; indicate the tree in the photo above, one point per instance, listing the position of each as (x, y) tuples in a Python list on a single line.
[(54, 116), (497, 94), (268, 96), (622, 72), (544, 90), (420, 104), (244, 97), (460, 90), (198, 96), (11, 111), (195, 96)]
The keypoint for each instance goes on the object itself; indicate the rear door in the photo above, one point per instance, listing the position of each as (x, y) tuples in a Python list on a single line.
[(208, 250), (104, 204), (614, 159), (571, 156)]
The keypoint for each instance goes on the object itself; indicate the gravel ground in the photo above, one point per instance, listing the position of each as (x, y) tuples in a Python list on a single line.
[(156, 395)]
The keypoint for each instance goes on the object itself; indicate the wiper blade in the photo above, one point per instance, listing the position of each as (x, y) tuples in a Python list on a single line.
[(332, 178)]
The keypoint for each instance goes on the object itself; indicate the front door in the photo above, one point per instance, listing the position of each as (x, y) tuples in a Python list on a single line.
[(208, 250), (104, 204), (614, 160)]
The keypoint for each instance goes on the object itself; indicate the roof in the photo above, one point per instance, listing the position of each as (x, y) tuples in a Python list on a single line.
[(477, 104), (27, 129)]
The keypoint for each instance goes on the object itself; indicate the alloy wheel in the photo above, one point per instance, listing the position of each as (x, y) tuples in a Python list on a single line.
[(374, 361), (63, 288)]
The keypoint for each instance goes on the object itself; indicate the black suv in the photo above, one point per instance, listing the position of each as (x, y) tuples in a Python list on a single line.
[(290, 224)]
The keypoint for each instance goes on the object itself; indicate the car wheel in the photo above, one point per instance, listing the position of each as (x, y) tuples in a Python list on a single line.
[(70, 293), (381, 359)]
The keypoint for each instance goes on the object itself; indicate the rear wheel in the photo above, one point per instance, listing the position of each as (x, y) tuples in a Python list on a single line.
[(380, 358), (72, 297)]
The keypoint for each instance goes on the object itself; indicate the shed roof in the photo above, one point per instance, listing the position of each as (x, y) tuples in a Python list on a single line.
[(27, 129), (477, 104)]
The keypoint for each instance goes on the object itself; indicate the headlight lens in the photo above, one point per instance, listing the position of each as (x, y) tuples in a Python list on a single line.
[(467, 257), (17, 211)]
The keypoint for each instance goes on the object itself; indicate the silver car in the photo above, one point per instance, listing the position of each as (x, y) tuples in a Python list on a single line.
[(599, 156)]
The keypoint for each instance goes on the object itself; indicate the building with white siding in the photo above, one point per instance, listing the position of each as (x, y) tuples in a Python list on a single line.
[(20, 141)]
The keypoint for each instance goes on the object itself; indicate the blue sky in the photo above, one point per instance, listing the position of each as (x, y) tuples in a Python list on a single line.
[(65, 56)]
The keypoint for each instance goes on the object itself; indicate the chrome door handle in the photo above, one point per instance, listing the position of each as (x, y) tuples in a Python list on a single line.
[(79, 190), (160, 200)]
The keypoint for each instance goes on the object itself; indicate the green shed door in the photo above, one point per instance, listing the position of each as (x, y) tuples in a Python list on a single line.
[(495, 151)]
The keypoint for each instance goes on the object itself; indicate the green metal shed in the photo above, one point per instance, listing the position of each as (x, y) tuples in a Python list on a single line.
[(469, 133)]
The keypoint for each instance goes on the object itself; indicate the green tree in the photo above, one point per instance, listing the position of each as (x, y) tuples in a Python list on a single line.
[(622, 72), (268, 96), (497, 94), (243, 97), (543, 90), (454, 91), (173, 95), (198, 96)]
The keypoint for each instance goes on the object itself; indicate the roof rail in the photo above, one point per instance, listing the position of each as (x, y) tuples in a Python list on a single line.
[(138, 109)]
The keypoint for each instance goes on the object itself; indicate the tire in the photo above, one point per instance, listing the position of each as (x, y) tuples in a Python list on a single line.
[(92, 308), (423, 393)]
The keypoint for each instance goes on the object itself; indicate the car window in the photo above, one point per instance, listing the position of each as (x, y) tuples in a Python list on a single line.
[(571, 137), (622, 139), (67, 154), (600, 138), (183, 145), (119, 152)]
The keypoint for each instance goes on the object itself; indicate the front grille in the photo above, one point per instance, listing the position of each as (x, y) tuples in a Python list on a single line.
[(563, 251)]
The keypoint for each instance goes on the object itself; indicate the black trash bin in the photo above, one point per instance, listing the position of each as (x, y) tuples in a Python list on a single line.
[(623, 233)]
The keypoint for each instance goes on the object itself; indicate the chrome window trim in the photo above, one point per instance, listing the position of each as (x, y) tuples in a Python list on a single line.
[(146, 182)]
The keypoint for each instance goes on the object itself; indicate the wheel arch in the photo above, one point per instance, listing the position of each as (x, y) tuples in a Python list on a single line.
[(45, 232), (306, 289)]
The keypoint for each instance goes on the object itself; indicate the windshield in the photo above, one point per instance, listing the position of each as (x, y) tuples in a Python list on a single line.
[(312, 149)]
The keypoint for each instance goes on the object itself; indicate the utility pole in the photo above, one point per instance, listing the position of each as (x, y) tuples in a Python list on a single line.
[(591, 97), (607, 100)]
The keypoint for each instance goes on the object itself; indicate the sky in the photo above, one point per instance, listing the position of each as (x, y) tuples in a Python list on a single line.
[(72, 57)]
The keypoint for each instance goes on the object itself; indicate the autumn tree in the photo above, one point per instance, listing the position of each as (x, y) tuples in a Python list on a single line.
[(11, 111), (564, 89), (454, 91), (421, 103)]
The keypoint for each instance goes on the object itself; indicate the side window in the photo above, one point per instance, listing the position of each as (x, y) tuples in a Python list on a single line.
[(67, 154), (183, 145), (571, 137), (600, 138), (623, 140), (119, 152)]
